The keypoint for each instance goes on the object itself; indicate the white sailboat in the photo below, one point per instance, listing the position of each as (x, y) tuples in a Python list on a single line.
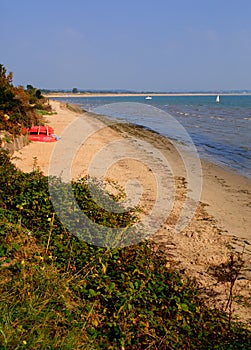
[(218, 98), (148, 98)]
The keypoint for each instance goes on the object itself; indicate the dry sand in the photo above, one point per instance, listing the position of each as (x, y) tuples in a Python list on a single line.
[(222, 218)]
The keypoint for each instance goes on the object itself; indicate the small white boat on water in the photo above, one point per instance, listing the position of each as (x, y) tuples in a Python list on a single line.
[(218, 98), (148, 98)]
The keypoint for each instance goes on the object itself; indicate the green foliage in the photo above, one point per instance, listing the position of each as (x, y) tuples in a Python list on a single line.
[(7, 93), (43, 112), (34, 94), (59, 292)]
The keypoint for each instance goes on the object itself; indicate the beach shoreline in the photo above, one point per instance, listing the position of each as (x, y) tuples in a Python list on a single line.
[(222, 217), (203, 119)]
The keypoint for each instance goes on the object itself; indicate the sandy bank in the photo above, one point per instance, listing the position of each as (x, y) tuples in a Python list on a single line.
[(222, 212)]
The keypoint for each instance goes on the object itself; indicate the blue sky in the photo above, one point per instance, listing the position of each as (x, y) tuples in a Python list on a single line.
[(142, 45)]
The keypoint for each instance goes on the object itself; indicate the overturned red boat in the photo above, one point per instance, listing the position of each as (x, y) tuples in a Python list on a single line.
[(42, 133)]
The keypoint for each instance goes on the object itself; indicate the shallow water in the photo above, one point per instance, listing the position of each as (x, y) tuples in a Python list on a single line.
[(221, 131)]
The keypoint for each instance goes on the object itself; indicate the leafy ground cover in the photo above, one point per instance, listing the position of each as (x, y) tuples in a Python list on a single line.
[(58, 292)]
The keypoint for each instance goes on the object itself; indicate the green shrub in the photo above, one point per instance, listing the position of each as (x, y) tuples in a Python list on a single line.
[(59, 292), (16, 105)]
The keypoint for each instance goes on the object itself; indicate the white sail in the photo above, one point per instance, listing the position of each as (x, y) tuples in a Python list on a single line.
[(218, 98)]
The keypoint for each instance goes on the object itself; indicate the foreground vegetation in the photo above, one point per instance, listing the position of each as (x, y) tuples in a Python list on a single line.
[(58, 292)]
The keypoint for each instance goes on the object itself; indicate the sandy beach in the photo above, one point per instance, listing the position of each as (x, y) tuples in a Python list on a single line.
[(220, 219)]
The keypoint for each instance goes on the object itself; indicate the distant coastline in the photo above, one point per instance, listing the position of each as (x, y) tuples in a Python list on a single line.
[(122, 94)]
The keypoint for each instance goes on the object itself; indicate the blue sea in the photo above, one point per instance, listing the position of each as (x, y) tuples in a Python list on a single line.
[(221, 131)]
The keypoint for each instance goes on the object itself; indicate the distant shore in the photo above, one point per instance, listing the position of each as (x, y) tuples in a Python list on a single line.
[(155, 94)]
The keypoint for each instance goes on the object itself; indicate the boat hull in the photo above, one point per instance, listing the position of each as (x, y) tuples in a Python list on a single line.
[(42, 133), (42, 138)]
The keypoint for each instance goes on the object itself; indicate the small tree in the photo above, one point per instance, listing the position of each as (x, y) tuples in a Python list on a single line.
[(39, 94), (74, 90), (34, 94), (7, 91), (15, 108)]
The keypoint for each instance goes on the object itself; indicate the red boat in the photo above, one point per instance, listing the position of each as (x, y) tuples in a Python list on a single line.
[(42, 133)]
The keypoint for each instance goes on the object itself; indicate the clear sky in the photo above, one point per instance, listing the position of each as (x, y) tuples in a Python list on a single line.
[(143, 45)]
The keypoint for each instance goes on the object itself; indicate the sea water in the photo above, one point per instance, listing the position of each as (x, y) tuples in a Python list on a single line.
[(221, 131)]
